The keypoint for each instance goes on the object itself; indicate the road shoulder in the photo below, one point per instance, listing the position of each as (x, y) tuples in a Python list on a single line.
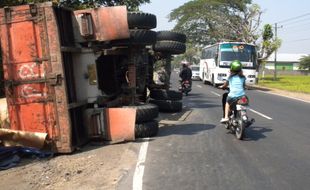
[(294, 95)]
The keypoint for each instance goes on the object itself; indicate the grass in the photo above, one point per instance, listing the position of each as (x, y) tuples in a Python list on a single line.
[(287, 82)]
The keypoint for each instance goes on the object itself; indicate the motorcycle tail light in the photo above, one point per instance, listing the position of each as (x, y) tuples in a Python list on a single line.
[(243, 101)]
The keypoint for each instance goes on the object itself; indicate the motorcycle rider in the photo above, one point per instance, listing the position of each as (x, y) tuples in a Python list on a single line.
[(186, 73), (236, 83)]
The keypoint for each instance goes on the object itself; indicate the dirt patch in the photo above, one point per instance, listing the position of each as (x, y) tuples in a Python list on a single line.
[(91, 168)]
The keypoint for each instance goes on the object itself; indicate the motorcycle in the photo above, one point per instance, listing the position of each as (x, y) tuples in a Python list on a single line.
[(185, 87), (238, 118)]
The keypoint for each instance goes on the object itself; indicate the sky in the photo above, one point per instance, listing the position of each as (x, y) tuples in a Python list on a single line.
[(294, 32)]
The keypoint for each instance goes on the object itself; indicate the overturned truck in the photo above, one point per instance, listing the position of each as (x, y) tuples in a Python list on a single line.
[(64, 68)]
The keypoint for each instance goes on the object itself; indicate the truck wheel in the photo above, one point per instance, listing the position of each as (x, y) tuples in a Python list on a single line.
[(138, 20), (169, 47), (168, 105), (171, 36), (174, 95), (145, 112), (165, 95), (138, 37), (147, 129)]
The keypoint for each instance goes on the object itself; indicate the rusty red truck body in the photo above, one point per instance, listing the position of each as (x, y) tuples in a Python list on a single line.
[(40, 61)]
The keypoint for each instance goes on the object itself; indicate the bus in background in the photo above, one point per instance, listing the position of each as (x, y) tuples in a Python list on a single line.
[(215, 61)]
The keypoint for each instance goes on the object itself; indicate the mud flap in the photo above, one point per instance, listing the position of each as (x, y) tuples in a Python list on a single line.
[(120, 124)]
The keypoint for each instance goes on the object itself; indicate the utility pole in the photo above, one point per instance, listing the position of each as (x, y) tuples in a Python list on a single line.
[(275, 53)]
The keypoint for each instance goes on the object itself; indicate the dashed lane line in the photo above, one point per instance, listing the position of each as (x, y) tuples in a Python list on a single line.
[(216, 94), (258, 113)]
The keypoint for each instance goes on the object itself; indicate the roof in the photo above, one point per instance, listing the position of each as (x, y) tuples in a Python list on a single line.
[(227, 42), (286, 57)]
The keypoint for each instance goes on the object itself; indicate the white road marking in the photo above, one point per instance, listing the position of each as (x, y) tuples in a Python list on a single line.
[(215, 93), (285, 96), (199, 86), (139, 171), (258, 113)]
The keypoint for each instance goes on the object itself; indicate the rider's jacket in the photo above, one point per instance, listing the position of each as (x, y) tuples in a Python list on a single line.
[(186, 74)]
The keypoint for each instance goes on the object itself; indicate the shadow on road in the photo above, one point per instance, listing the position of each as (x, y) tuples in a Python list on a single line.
[(196, 95), (183, 129), (198, 100), (255, 133)]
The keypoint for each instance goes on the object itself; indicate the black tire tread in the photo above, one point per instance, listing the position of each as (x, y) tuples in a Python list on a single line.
[(171, 36), (139, 20), (145, 112), (147, 129), (138, 37), (168, 105), (159, 94), (171, 47)]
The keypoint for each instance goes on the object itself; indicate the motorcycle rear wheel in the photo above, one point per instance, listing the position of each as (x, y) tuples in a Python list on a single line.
[(240, 129)]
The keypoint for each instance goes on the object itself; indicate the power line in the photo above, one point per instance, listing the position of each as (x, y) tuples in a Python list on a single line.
[(296, 22), (293, 18), (296, 27), (298, 40)]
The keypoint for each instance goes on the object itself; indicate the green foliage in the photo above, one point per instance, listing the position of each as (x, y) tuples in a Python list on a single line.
[(288, 82), (305, 62), (80, 4), (209, 21), (267, 33), (191, 55), (269, 44)]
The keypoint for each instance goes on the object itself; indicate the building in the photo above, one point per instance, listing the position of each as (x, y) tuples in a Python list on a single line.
[(285, 61)]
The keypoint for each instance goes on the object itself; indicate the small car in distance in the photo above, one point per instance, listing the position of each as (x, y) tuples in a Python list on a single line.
[(195, 72)]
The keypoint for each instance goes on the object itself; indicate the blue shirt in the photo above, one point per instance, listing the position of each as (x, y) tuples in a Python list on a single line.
[(236, 86)]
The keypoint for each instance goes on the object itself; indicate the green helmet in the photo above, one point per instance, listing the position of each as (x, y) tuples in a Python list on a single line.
[(236, 66)]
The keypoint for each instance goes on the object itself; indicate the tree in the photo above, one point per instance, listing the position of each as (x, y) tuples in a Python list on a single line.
[(81, 4), (209, 21), (191, 55), (269, 44), (305, 63)]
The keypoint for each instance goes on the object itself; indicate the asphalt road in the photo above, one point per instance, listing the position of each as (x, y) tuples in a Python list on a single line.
[(199, 153)]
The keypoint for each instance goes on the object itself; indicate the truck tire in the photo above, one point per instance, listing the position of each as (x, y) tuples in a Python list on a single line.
[(138, 20), (168, 105), (174, 95), (145, 112), (159, 94), (138, 37), (171, 47), (171, 36), (147, 129)]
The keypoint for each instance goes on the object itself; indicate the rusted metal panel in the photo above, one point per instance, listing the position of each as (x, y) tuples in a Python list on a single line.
[(33, 73), (101, 24)]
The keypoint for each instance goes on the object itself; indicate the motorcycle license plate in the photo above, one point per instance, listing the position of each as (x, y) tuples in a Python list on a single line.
[(240, 107)]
